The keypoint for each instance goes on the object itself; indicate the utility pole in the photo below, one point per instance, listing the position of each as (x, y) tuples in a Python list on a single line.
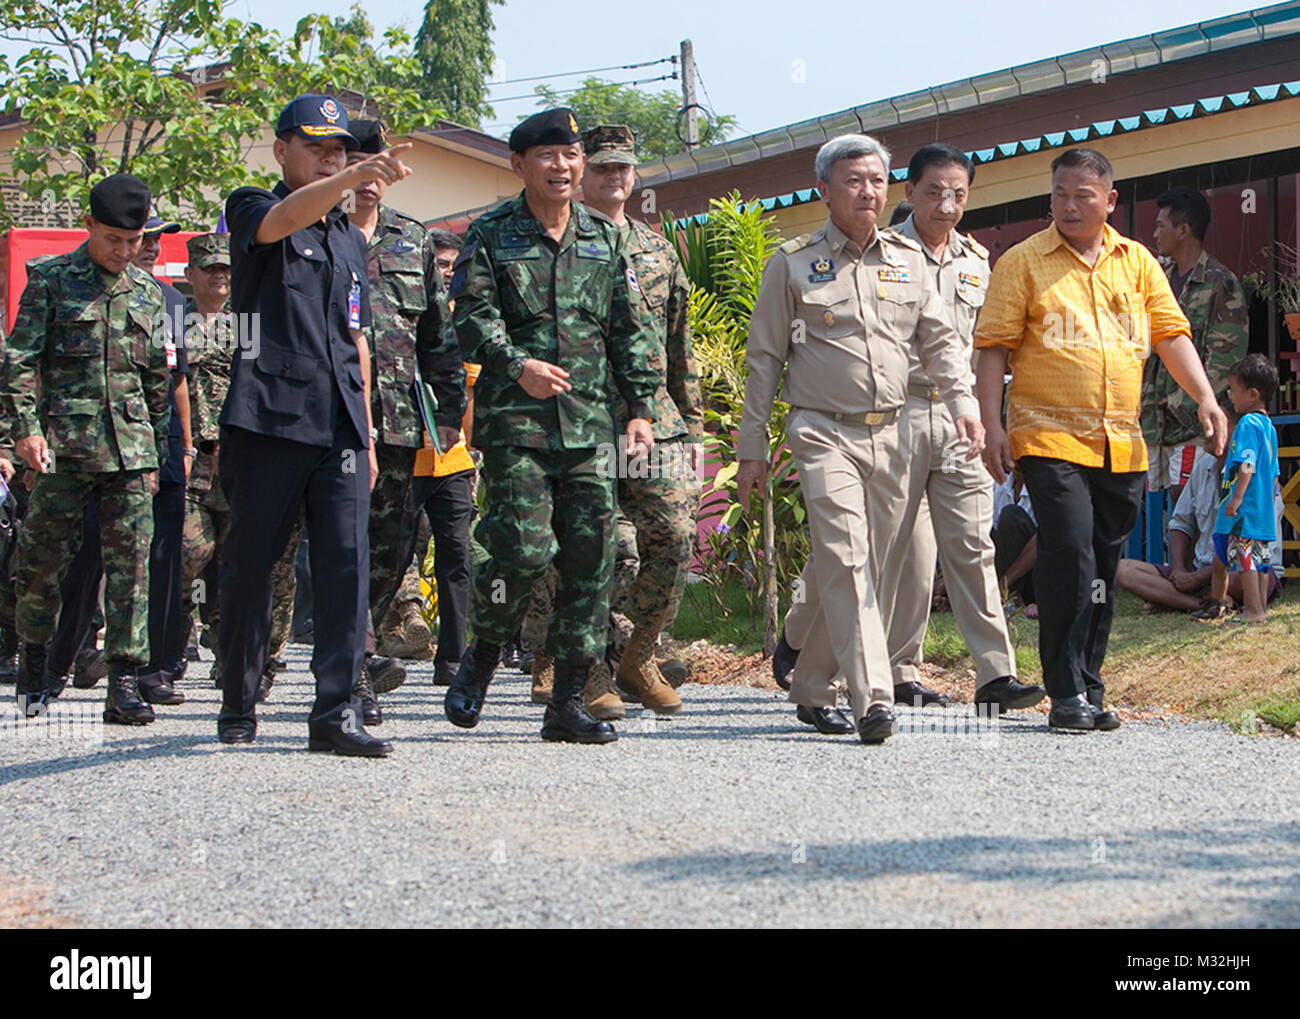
[(688, 94)]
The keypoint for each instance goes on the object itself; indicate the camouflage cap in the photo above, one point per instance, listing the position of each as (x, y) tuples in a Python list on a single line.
[(206, 250), (610, 143)]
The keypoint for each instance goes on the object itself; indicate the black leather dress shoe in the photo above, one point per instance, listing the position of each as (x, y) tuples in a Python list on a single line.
[(907, 693), (445, 672), (264, 685), (464, 701), (156, 688), (783, 661), (1103, 720), (237, 732), (1007, 694), (831, 721), (349, 744), (877, 725), (1071, 713), (88, 668)]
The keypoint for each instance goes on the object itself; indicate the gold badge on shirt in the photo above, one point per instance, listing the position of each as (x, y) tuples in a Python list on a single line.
[(828, 317)]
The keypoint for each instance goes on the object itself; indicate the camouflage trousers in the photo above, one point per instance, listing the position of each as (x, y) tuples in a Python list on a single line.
[(545, 507), (655, 534), (207, 522), (51, 536), (392, 529)]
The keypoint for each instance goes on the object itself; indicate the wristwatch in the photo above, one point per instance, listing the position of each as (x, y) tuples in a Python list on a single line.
[(515, 368), (190, 452), (374, 435)]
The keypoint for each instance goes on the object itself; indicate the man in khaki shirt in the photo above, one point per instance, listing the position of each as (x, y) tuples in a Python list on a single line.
[(840, 311)]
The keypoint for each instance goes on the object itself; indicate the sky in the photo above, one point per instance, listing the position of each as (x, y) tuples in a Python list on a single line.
[(773, 62)]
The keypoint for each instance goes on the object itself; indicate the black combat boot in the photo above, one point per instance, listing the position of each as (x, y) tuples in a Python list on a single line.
[(32, 693), (464, 701), (123, 705), (567, 719), (8, 656), (364, 691)]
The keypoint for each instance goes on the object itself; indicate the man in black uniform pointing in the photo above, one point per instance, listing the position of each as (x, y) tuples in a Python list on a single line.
[(295, 430)]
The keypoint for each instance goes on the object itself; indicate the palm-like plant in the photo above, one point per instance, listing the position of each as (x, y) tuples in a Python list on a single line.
[(724, 256)]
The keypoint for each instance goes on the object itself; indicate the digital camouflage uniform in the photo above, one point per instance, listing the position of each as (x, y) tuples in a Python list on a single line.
[(86, 364), (656, 513), (549, 495), (410, 320), (1215, 306)]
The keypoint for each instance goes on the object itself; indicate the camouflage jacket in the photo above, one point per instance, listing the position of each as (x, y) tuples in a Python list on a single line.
[(210, 344), (86, 364), (1215, 305), (409, 318), (677, 405), (575, 303)]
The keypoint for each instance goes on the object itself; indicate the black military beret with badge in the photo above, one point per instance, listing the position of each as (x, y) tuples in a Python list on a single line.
[(121, 201), (551, 127)]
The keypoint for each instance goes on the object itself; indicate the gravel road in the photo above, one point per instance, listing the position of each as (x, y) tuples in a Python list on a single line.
[(731, 813)]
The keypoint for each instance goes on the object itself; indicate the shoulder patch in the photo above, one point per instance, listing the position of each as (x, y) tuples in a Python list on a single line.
[(798, 244), (975, 245), (893, 237)]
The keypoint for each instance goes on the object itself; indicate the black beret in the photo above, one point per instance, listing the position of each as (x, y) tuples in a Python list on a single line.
[(122, 201), (553, 127), (370, 135)]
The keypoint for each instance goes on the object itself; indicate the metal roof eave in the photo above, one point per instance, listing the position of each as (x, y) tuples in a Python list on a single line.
[(1228, 32)]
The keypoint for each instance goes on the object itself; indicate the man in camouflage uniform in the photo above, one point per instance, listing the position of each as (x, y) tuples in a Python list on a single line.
[(547, 301), (655, 500), (411, 340), (1215, 305), (85, 387)]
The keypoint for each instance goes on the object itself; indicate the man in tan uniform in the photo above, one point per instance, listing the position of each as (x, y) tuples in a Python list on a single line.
[(949, 498), (844, 308)]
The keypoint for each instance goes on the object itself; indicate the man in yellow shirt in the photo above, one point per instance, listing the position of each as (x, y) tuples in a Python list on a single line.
[(1075, 310)]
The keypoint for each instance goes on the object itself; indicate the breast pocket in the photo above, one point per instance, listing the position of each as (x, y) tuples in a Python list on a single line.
[(827, 311), (524, 294), (142, 332), (899, 306), (969, 302), (289, 376), (73, 427), (78, 332), (305, 265)]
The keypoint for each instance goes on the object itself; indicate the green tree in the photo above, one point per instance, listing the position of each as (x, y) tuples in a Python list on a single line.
[(653, 117), (454, 50), (174, 92)]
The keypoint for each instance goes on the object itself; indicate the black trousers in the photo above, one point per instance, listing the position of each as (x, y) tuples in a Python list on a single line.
[(448, 502), (168, 628), (268, 483), (80, 593), (1014, 531), (1084, 516)]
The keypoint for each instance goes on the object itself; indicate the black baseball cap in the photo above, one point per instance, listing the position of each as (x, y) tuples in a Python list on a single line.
[(316, 117)]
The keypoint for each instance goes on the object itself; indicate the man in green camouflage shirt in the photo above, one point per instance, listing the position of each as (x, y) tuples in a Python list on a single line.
[(1215, 305), (85, 387), (547, 302), (658, 498), (410, 329)]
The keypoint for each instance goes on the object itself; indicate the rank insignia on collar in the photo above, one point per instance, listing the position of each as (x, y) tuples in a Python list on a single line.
[(823, 271), (893, 276), (968, 279)]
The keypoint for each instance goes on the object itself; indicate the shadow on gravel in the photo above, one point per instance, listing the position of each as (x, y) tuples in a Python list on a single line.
[(1225, 862), (75, 758)]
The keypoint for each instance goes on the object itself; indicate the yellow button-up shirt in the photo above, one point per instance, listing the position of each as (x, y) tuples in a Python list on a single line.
[(1078, 336)]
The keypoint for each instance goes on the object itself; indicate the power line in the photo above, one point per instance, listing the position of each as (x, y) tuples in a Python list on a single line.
[(570, 91), (593, 70)]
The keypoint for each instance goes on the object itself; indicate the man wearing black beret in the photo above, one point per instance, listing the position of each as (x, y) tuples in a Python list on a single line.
[(547, 302), (85, 385), (296, 431)]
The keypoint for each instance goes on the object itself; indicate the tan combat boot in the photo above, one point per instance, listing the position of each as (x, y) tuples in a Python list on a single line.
[(415, 632), (603, 701), (543, 677), (639, 677)]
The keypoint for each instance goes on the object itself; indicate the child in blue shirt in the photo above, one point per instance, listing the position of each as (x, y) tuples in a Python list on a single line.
[(1246, 526)]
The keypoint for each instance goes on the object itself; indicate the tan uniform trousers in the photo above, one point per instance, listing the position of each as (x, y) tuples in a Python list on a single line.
[(852, 477), (951, 501)]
